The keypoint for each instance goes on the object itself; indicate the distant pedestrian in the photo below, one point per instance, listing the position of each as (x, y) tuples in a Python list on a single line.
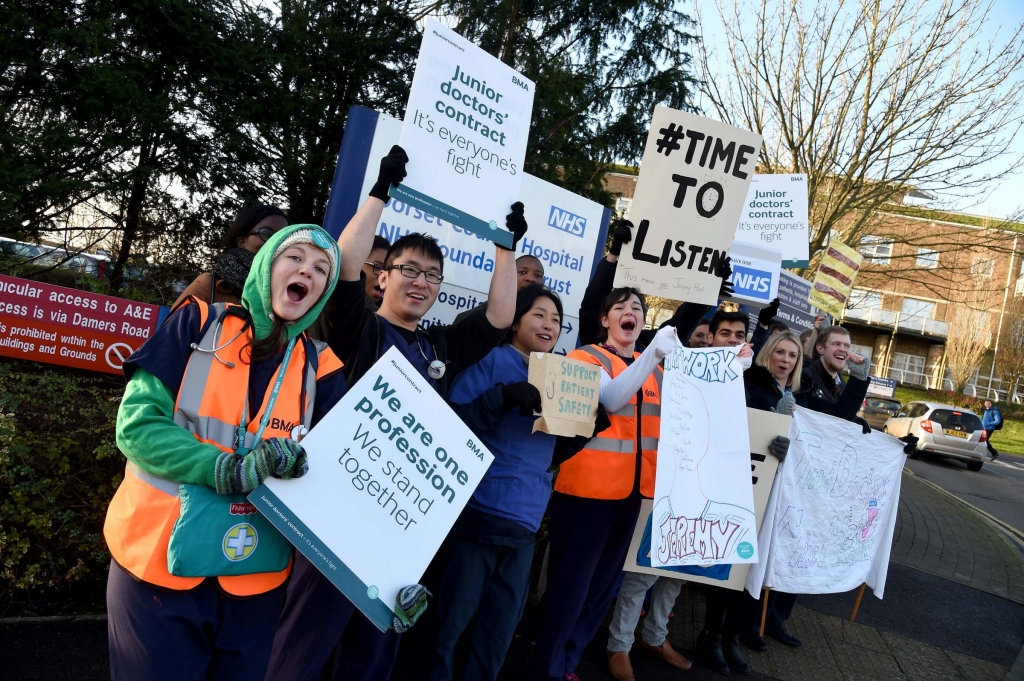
[(991, 421)]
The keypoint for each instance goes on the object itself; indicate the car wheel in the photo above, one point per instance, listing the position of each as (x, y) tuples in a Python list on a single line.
[(974, 466)]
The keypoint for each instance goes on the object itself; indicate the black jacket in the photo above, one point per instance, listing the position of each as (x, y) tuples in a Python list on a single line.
[(763, 393), (836, 397)]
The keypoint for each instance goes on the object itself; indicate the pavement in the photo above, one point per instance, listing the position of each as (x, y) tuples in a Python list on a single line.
[(954, 609)]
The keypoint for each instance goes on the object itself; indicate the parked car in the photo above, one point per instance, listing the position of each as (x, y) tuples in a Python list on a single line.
[(941, 429), (877, 410)]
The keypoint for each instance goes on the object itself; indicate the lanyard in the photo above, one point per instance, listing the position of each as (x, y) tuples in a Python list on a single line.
[(240, 447)]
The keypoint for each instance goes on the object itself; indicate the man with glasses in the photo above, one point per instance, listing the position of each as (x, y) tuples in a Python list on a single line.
[(316, 615)]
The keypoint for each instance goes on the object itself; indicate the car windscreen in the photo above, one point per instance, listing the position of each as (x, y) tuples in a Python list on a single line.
[(888, 405), (949, 418)]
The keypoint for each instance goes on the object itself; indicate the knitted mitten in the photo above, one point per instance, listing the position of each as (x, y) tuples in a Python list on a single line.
[(786, 404), (410, 604), (280, 457), (859, 370)]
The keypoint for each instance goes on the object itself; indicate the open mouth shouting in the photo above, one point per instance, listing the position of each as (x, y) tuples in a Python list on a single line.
[(628, 325), (297, 292)]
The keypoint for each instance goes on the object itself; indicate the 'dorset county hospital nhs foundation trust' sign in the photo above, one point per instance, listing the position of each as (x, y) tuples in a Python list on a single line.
[(64, 326)]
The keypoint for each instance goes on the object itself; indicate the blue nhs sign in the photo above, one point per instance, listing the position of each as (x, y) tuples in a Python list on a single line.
[(751, 283), (567, 222)]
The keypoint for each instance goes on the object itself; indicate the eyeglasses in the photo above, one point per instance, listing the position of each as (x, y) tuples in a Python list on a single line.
[(264, 233), (412, 272), (376, 266)]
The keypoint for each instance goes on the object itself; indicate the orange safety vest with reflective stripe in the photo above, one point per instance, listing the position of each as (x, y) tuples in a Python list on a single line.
[(209, 404), (606, 467)]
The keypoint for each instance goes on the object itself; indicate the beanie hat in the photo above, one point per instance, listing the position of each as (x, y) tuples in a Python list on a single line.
[(315, 237)]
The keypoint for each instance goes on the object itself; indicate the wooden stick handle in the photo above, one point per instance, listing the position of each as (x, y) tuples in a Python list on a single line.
[(856, 603), (764, 610)]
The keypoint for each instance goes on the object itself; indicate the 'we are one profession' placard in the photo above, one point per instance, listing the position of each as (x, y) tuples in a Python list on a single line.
[(465, 129), (390, 469)]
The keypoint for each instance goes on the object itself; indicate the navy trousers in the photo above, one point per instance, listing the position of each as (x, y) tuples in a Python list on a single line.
[(780, 609), (157, 634), (589, 542), (316, 619)]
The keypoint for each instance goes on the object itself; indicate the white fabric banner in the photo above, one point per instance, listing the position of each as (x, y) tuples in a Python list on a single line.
[(703, 495), (829, 522)]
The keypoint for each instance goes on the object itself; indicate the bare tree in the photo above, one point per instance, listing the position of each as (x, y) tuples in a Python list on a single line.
[(968, 332), (874, 100), (1010, 359)]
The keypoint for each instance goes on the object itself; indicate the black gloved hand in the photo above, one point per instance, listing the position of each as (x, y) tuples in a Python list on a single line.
[(910, 441), (602, 423), (779, 447), (523, 395), (863, 424), (392, 171), (622, 234), (723, 272), (515, 223), (765, 316)]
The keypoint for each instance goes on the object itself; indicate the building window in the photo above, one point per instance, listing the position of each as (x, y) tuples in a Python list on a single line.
[(876, 249), (622, 204), (983, 267), (917, 309), (864, 350), (862, 299), (927, 258), (907, 368)]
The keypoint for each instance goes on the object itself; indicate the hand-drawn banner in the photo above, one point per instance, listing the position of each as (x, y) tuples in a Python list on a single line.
[(775, 215), (703, 500), (828, 525), (834, 280), (691, 189), (569, 392), (763, 426), (466, 126)]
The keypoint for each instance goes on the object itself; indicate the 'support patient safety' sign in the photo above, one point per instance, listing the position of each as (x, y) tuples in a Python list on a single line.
[(569, 392), (390, 469)]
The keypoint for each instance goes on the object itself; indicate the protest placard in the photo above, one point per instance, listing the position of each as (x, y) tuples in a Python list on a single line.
[(755, 274), (80, 329), (834, 281), (775, 215), (569, 392), (793, 306), (691, 189), (763, 427), (566, 235), (466, 128), (829, 523), (703, 500), (390, 469)]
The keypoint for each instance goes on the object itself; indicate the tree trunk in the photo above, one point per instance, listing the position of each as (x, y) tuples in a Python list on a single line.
[(133, 216)]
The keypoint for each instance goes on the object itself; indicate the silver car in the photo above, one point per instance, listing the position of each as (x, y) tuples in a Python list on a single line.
[(941, 429)]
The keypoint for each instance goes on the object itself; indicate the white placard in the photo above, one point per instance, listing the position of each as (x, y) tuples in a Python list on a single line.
[(390, 469), (703, 496), (692, 186), (755, 274), (828, 526), (466, 128), (775, 216)]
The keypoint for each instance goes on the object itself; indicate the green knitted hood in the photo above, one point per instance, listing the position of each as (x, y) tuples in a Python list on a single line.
[(256, 293)]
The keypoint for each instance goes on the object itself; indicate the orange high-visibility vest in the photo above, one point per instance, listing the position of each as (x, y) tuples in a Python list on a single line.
[(606, 467), (209, 404)]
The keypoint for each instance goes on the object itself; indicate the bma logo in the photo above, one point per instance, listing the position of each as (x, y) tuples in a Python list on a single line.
[(751, 283), (567, 222)]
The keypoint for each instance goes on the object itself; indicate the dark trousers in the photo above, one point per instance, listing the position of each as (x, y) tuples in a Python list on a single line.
[(482, 581), (722, 611), (988, 442), (589, 541), (316, 619), (780, 609), (158, 634)]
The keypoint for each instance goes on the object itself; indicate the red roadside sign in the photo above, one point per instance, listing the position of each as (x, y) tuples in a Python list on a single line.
[(64, 326)]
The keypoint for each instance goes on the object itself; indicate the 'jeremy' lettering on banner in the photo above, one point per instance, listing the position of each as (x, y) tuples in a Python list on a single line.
[(691, 189), (569, 392), (390, 469), (775, 215), (466, 127)]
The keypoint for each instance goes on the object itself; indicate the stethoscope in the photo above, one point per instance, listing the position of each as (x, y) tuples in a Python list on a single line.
[(435, 368), (216, 332)]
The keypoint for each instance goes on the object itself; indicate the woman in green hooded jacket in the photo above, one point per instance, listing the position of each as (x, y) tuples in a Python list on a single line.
[(216, 402)]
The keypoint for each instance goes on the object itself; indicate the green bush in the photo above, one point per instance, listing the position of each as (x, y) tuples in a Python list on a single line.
[(59, 468)]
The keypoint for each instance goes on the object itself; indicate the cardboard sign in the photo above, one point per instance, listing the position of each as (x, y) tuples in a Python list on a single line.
[(692, 187), (466, 128), (834, 280), (763, 427), (775, 215), (68, 327), (390, 469), (566, 234), (755, 274), (569, 392), (793, 306), (703, 502), (829, 523)]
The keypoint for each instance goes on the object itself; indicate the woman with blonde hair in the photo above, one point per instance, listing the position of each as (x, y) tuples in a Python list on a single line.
[(775, 373)]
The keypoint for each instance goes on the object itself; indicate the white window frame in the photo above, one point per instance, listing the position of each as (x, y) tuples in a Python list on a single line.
[(875, 249), (927, 258), (907, 368), (925, 305), (864, 299), (983, 267)]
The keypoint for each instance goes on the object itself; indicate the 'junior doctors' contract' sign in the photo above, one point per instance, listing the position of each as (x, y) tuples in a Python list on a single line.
[(691, 189), (390, 469), (703, 497), (466, 127)]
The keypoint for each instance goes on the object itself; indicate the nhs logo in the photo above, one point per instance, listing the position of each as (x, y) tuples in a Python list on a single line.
[(751, 283), (567, 222)]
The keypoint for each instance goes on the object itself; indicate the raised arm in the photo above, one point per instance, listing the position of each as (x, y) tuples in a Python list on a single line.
[(501, 297), (356, 240)]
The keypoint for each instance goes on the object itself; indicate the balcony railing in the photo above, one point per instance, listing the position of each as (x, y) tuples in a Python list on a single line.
[(880, 317)]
